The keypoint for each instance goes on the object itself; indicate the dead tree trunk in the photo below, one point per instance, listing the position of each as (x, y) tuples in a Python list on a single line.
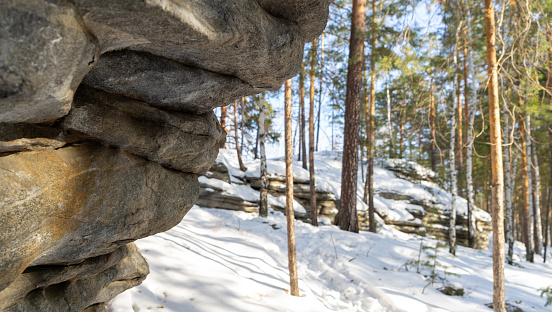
[(347, 217), (292, 260)]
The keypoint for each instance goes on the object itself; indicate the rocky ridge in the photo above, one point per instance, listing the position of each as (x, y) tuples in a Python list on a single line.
[(405, 198), (106, 120)]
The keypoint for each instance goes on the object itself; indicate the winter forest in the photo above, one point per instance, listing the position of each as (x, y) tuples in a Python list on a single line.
[(423, 126)]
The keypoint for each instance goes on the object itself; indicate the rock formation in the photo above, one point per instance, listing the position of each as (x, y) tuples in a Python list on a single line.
[(106, 120), (405, 197)]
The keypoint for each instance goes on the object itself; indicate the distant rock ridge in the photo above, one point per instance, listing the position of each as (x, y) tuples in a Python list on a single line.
[(405, 197), (106, 121)]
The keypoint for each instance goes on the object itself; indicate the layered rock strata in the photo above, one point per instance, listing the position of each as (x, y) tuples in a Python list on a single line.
[(106, 120), (428, 214)]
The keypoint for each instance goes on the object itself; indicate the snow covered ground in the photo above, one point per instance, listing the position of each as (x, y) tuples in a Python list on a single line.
[(219, 260)]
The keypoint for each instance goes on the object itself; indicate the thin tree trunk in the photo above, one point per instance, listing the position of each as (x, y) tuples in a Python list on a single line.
[(547, 223), (242, 123), (347, 217), (263, 209), (292, 260), (459, 128), (536, 207), (223, 121), (431, 126), (508, 188), (453, 181), (524, 213), (303, 147), (256, 138), (529, 202), (499, 295), (367, 133), (312, 186), (369, 187), (471, 99), (238, 149), (389, 125), (320, 90)]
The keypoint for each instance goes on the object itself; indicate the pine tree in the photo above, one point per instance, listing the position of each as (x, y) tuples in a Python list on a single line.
[(497, 195), (347, 217), (313, 207), (238, 147), (292, 259)]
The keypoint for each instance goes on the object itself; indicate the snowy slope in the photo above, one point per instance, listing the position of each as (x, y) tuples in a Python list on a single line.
[(218, 260)]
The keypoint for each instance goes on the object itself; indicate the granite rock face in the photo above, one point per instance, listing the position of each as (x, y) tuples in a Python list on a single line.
[(106, 120)]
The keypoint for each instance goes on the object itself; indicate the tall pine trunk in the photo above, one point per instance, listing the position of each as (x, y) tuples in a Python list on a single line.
[(238, 149), (347, 217), (497, 191), (292, 259), (263, 209), (313, 208)]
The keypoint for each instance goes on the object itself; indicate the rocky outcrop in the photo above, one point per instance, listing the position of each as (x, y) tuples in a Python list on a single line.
[(405, 197), (106, 120)]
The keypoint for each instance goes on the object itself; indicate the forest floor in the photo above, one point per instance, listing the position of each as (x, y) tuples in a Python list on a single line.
[(219, 260)]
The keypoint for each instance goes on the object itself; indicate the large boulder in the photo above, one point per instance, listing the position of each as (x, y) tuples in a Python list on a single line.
[(105, 120)]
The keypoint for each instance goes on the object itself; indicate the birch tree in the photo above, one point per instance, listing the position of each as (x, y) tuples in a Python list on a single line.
[(452, 160), (472, 102), (263, 209), (536, 207)]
